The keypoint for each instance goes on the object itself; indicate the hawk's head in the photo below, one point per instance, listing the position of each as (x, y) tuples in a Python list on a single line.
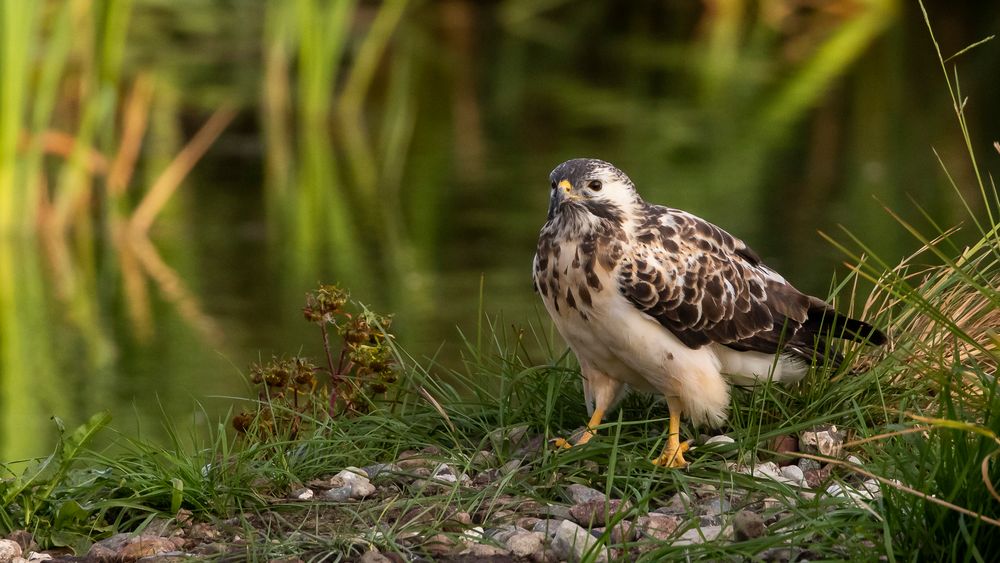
[(591, 185)]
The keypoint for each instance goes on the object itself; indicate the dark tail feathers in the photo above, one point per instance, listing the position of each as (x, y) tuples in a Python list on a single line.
[(828, 322)]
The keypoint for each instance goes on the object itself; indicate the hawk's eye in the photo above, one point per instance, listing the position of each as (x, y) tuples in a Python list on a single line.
[(594, 185), (553, 184)]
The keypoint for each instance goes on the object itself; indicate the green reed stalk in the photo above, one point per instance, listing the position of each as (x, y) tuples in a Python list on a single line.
[(18, 24)]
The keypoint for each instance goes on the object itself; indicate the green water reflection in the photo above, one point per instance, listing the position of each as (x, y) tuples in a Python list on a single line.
[(418, 180)]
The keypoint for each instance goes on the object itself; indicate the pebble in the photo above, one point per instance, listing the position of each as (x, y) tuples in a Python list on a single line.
[(657, 526), (794, 474), (527, 522), (510, 467), (146, 546), (24, 539), (580, 494), (572, 543), (824, 440), (9, 549), (483, 458), (678, 504), (873, 487), (547, 527), (720, 439), (622, 532), (340, 494), (714, 507), (508, 438), (597, 512), (378, 470), (357, 480), (699, 535), (806, 464), (523, 544), (374, 557), (440, 545), (305, 493), (503, 533), (473, 534), (480, 551), (815, 477), (748, 525)]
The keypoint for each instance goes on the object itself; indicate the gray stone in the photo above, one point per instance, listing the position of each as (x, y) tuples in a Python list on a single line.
[(340, 494), (209, 549), (768, 469), (678, 504), (9, 549), (699, 535), (714, 507), (872, 487), (794, 474), (378, 470), (748, 525), (806, 464), (358, 481), (510, 467), (485, 551), (483, 458), (510, 437), (556, 512), (502, 533), (720, 439), (373, 557), (657, 526), (547, 527), (580, 494), (34, 556), (523, 544), (597, 512), (572, 543)]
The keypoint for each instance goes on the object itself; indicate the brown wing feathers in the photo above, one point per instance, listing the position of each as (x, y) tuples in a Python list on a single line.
[(706, 286)]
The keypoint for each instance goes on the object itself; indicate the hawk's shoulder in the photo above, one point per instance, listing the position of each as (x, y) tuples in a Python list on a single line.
[(706, 285)]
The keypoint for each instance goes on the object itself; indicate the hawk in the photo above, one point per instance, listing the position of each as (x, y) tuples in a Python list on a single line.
[(658, 300)]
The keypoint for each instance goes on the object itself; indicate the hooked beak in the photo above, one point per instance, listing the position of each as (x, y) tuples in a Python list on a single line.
[(565, 190)]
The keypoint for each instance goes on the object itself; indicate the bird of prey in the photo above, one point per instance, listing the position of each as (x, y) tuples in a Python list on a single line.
[(658, 300)]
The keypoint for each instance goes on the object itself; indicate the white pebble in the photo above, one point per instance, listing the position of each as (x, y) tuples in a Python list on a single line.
[(720, 439)]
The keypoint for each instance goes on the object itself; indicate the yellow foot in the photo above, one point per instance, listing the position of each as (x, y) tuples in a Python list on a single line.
[(673, 457), (562, 443)]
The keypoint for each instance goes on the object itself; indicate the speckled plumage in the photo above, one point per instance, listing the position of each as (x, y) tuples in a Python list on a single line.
[(659, 300)]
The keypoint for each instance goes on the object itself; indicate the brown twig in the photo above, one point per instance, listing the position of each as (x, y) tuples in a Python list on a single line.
[(135, 120), (901, 487), (170, 179)]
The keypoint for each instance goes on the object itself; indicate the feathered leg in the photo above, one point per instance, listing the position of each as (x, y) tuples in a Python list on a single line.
[(604, 392), (673, 452)]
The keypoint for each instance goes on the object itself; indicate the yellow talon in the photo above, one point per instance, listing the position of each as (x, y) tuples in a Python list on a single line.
[(562, 443), (673, 452), (588, 433), (673, 457)]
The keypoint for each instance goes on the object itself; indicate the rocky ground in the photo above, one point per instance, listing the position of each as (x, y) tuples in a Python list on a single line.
[(504, 527)]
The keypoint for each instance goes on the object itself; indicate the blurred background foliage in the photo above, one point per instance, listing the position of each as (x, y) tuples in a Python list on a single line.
[(176, 174)]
